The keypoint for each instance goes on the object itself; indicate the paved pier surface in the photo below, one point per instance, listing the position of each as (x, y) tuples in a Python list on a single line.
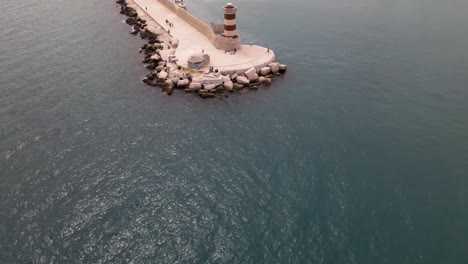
[(192, 41)]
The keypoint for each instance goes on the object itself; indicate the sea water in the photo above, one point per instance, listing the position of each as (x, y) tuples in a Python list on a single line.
[(359, 154)]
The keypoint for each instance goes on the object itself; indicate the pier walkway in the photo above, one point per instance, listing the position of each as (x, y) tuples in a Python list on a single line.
[(191, 41)]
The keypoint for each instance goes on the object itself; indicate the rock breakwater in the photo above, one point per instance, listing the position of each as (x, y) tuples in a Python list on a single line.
[(166, 74)]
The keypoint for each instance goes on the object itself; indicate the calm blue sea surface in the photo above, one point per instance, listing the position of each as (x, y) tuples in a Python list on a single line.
[(359, 154)]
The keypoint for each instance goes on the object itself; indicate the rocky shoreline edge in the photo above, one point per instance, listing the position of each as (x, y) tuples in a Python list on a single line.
[(169, 76)]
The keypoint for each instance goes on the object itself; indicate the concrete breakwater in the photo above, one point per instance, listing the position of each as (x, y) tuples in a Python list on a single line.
[(164, 51)]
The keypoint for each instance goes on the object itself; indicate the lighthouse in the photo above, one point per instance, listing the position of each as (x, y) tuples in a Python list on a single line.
[(230, 21), (226, 37)]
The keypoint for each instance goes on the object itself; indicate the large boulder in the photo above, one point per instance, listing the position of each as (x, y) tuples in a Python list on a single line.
[(162, 75), (169, 89), (130, 21), (225, 78), (150, 77), (202, 91), (253, 77), (209, 87), (208, 95), (195, 86), (220, 88), (156, 57), (150, 66), (150, 35), (229, 85), (135, 30), (175, 80), (242, 80), (157, 46), (251, 74), (153, 83), (159, 68), (238, 86), (183, 83), (167, 83), (264, 80), (282, 67), (176, 73), (274, 66), (264, 71)]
